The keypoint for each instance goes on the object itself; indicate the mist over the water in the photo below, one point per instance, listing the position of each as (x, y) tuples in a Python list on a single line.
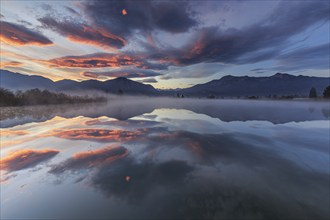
[(125, 107)]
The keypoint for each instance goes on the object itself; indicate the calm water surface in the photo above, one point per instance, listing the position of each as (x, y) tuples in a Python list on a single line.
[(166, 159)]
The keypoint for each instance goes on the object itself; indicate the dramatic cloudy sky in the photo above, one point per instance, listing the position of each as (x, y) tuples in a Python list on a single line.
[(168, 44)]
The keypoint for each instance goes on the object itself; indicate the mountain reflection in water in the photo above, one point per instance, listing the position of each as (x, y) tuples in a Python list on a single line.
[(166, 159)]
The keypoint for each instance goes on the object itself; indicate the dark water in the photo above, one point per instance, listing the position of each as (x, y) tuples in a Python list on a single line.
[(166, 159)]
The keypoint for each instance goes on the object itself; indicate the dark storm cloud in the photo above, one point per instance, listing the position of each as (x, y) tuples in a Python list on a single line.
[(128, 73), (114, 24), (261, 41), (173, 17), (145, 16), (316, 57), (111, 23), (26, 158), (19, 35), (83, 33)]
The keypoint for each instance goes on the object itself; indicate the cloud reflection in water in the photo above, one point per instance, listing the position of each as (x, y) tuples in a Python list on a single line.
[(178, 164), (90, 159), (26, 158), (102, 135)]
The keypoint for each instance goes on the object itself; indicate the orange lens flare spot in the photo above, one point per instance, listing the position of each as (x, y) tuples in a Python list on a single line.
[(124, 12), (127, 178)]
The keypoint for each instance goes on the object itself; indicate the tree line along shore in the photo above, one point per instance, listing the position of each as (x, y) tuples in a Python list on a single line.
[(45, 97), (42, 97)]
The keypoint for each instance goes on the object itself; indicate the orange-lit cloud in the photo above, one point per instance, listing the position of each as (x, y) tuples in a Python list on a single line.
[(83, 33), (196, 49), (10, 64), (101, 135), (26, 158), (134, 63), (103, 36), (13, 132), (18, 35), (91, 75), (98, 60), (91, 159)]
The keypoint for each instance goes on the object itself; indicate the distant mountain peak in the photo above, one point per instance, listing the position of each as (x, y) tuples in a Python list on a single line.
[(280, 75), (227, 77), (121, 78)]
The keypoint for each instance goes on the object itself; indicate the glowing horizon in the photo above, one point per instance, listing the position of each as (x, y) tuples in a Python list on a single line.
[(166, 44)]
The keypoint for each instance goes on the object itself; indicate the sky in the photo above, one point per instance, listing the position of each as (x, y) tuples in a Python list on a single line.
[(168, 44)]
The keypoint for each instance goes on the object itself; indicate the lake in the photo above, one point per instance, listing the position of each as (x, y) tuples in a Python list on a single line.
[(166, 158)]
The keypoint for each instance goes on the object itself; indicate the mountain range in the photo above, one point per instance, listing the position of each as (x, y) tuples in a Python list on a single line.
[(17, 81), (280, 84), (227, 86)]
